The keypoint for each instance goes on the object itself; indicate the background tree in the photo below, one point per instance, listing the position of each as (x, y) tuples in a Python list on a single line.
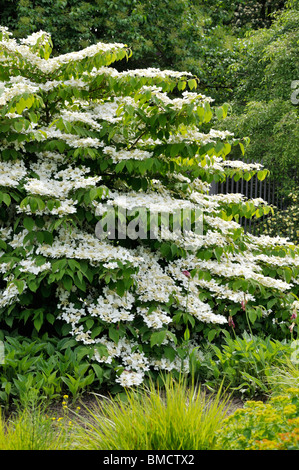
[(262, 107), (242, 15), (167, 34)]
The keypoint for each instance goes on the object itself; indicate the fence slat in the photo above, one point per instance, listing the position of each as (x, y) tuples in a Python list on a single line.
[(266, 189)]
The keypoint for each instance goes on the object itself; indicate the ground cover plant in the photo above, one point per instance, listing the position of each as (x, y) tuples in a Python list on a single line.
[(175, 416), (110, 241), (244, 364), (264, 426), (43, 370)]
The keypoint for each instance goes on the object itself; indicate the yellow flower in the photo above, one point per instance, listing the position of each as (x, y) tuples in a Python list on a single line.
[(279, 398), (290, 409), (293, 390)]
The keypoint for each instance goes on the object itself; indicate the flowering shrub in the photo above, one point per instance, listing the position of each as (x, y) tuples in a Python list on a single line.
[(260, 426), (83, 145)]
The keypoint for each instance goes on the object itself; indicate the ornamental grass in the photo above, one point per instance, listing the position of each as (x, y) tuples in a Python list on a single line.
[(176, 416)]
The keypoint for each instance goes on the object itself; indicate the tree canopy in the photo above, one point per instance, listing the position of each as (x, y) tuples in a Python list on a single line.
[(266, 75)]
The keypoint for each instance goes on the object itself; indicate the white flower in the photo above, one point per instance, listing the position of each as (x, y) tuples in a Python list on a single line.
[(12, 172), (9, 295), (29, 266), (130, 378)]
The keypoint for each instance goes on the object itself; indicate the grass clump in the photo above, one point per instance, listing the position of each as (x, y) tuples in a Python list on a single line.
[(285, 375), (32, 429), (176, 416)]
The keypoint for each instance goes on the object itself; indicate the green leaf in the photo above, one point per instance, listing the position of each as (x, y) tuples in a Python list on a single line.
[(6, 199), (182, 85), (19, 284), (262, 174), (158, 337), (218, 253), (28, 223), (219, 113), (3, 245), (99, 372), (38, 321), (18, 125), (113, 334), (170, 353), (73, 264), (192, 83), (288, 274), (252, 315), (120, 287), (212, 334), (33, 284), (20, 106), (67, 282)]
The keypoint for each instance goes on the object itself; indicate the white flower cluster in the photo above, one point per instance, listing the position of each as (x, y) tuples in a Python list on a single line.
[(156, 318), (155, 72), (72, 140), (122, 154), (5, 233), (15, 87), (277, 261), (231, 268), (51, 65), (84, 117), (129, 378), (81, 245), (176, 103), (151, 200), (192, 134), (62, 183), (135, 364), (111, 308), (153, 284), (199, 309), (224, 226), (29, 266), (41, 37), (12, 172), (9, 295), (160, 288), (107, 111)]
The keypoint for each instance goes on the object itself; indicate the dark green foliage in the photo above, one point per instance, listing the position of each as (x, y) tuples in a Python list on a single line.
[(167, 34), (264, 105)]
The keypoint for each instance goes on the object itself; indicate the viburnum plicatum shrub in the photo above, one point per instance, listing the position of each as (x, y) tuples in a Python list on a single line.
[(84, 146)]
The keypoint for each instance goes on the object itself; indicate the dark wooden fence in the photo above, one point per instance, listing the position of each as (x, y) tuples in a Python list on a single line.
[(268, 190)]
